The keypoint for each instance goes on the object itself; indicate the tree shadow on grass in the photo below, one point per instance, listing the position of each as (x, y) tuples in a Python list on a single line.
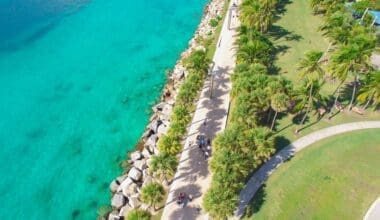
[(256, 203), (281, 8)]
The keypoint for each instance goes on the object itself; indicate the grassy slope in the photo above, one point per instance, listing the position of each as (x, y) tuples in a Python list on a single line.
[(337, 178)]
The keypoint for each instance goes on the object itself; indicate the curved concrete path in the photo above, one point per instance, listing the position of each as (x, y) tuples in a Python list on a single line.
[(260, 176), (374, 211)]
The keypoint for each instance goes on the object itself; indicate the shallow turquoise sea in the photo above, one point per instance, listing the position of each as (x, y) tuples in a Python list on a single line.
[(77, 79)]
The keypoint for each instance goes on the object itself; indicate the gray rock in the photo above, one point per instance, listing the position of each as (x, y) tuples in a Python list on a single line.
[(154, 125), (147, 180), (151, 141), (124, 210), (146, 153), (148, 161), (118, 200), (136, 155), (114, 186), (134, 201), (140, 164), (134, 174), (114, 216), (125, 184), (130, 190), (162, 129), (120, 179)]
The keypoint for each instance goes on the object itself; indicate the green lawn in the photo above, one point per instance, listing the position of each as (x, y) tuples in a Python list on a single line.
[(294, 33), (337, 178)]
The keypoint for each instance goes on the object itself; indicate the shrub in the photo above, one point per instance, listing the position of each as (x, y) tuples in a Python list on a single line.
[(138, 214), (214, 22)]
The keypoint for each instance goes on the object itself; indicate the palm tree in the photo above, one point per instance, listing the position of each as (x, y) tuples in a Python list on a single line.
[(352, 59), (279, 103), (163, 165), (311, 72), (305, 98), (255, 51), (152, 194), (371, 90)]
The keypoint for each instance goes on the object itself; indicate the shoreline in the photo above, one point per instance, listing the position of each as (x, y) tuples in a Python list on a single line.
[(125, 189)]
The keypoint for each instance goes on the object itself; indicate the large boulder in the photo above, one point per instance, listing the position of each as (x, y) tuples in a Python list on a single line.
[(154, 125), (134, 201), (118, 200), (140, 164), (125, 184), (114, 216), (135, 174), (120, 179), (147, 180), (136, 155), (146, 153), (130, 190), (124, 210), (162, 129), (151, 141), (114, 186)]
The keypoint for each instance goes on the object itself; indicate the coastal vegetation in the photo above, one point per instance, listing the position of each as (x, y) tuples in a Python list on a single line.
[(138, 214), (156, 159), (152, 194), (336, 178), (259, 94)]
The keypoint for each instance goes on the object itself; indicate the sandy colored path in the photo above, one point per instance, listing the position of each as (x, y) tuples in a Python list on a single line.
[(209, 119)]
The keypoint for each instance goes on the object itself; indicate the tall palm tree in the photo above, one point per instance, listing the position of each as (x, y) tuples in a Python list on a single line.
[(279, 103), (353, 59), (163, 165), (371, 90), (152, 194), (311, 72), (255, 51)]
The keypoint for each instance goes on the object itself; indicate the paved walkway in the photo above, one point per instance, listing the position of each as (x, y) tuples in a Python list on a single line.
[(266, 170), (374, 211), (209, 119)]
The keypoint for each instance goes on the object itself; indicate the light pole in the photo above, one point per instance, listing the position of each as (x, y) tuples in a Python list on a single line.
[(234, 7), (211, 73)]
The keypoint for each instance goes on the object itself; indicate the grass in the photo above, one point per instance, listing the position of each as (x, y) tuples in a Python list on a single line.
[(294, 33), (336, 178)]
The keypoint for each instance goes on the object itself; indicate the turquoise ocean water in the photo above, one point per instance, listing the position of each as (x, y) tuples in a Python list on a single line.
[(77, 78)]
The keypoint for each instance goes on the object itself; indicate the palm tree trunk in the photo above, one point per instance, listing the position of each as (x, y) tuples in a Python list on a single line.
[(308, 105), (269, 115), (274, 119), (369, 101), (353, 93), (335, 101)]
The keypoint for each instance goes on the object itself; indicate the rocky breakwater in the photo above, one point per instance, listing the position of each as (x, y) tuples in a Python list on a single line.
[(127, 187)]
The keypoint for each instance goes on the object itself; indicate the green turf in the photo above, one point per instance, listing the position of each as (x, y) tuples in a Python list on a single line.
[(336, 178), (298, 28), (294, 33)]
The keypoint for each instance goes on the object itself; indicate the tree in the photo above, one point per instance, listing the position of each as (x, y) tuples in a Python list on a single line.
[(311, 72), (198, 61), (370, 91), (220, 202), (279, 103), (169, 144), (164, 165), (152, 194), (353, 59), (308, 97), (255, 51), (138, 214)]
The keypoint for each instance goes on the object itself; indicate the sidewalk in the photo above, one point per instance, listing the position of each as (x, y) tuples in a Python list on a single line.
[(209, 119), (261, 175)]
